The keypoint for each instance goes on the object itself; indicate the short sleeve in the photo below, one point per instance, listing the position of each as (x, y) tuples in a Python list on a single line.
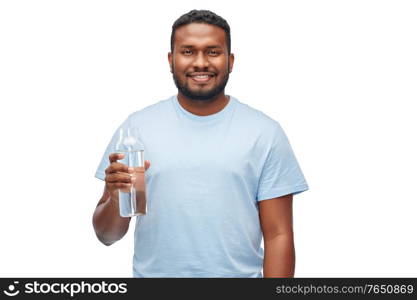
[(281, 174), (104, 162)]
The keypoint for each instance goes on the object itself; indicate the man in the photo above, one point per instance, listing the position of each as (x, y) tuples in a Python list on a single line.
[(223, 174)]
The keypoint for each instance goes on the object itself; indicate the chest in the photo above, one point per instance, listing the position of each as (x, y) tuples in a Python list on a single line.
[(213, 152)]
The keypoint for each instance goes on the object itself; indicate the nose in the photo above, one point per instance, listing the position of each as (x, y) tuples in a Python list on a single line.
[(200, 60)]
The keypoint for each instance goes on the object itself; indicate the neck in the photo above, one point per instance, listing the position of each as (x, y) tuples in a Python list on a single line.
[(203, 107)]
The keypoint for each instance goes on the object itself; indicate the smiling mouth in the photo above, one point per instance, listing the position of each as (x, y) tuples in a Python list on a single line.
[(201, 77)]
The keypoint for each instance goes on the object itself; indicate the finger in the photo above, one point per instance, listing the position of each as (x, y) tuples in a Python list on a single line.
[(118, 167), (119, 185), (115, 157), (147, 164), (118, 177)]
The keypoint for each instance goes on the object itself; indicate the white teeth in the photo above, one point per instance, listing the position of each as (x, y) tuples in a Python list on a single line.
[(201, 76)]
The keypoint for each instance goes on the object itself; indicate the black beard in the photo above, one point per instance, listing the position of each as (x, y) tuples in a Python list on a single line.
[(203, 95)]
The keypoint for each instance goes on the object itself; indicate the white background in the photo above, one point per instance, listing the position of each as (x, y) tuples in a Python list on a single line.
[(339, 76)]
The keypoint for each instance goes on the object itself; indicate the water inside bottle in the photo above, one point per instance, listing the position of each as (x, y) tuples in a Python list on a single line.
[(133, 203)]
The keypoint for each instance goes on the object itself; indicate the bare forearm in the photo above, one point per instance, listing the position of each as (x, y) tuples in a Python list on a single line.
[(108, 224), (279, 256)]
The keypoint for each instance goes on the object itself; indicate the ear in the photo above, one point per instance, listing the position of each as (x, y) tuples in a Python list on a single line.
[(231, 62), (170, 61)]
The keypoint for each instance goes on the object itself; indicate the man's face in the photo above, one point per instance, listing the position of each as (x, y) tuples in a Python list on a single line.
[(200, 63)]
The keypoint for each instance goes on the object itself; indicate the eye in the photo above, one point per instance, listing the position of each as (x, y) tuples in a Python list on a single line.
[(213, 52), (187, 52)]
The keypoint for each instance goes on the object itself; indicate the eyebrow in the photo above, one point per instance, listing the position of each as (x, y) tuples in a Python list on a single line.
[(208, 47)]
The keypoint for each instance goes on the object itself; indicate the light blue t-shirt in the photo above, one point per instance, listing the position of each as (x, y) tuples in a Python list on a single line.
[(206, 177)]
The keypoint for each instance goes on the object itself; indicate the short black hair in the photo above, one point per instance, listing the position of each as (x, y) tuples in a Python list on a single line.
[(201, 16)]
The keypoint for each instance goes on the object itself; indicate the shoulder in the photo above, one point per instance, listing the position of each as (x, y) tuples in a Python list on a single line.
[(259, 120), (156, 110)]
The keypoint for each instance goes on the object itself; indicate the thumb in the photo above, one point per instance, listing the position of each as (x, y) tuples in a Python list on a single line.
[(147, 164)]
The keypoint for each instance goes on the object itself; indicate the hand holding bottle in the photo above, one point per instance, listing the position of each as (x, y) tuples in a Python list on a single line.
[(119, 176)]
